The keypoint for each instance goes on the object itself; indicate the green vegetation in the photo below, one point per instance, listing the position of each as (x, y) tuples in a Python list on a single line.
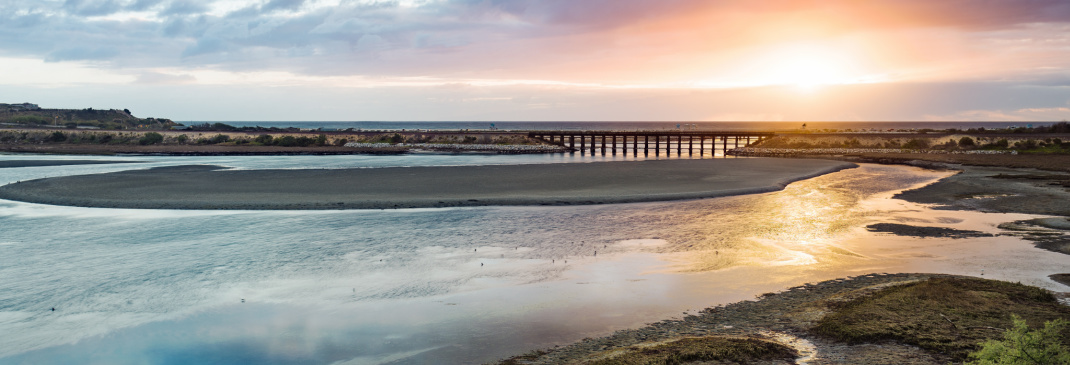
[(151, 138), (966, 143), (81, 118), (522, 359), (219, 138), (264, 139), (945, 315), (58, 136), (1020, 346), (29, 119), (916, 144), (688, 350)]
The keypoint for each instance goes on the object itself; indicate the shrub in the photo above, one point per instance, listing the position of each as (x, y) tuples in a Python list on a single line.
[(304, 141), (182, 138), (1061, 127), (1022, 346), (57, 136), (1000, 144), (30, 119), (916, 144), (286, 141), (151, 138), (1026, 144), (321, 140), (341, 142), (967, 142), (220, 138), (264, 139)]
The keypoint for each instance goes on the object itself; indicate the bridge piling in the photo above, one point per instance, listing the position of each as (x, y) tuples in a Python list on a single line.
[(724, 138)]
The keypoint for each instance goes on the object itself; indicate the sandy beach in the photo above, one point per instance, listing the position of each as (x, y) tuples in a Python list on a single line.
[(209, 187)]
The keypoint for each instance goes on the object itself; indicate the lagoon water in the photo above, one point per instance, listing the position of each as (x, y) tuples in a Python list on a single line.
[(432, 286)]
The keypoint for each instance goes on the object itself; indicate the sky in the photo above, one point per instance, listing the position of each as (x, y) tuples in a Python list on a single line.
[(532, 60)]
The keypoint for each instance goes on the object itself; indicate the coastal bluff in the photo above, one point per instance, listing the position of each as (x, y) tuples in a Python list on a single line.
[(214, 187)]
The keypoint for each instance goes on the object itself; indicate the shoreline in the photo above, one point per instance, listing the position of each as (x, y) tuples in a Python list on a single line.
[(1017, 184), (208, 187), (787, 317), (42, 163)]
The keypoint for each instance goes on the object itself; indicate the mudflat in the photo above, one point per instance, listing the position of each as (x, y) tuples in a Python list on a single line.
[(212, 187)]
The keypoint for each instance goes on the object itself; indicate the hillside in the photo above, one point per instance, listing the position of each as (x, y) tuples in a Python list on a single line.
[(30, 115)]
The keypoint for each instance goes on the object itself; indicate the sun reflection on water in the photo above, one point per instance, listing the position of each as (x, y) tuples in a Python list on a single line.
[(800, 225)]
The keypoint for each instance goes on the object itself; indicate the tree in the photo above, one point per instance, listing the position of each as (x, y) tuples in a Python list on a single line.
[(967, 142), (1020, 346)]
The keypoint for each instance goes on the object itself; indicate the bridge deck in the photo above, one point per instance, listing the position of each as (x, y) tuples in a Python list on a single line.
[(650, 133), (578, 140)]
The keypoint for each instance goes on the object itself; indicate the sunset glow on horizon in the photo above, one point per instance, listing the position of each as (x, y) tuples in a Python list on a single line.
[(542, 60)]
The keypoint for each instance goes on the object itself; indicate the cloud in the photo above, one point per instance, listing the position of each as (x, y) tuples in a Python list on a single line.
[(282, 5), (82, 54), (206, 46), (91, 8), (591, 41), (142, 5), (183, 7), (158, 78), (997, 115)]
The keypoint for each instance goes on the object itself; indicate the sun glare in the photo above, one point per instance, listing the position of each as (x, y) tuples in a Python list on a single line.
[(806, 67)]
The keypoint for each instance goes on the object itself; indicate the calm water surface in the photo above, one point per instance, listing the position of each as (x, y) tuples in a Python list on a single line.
[(430, 286)]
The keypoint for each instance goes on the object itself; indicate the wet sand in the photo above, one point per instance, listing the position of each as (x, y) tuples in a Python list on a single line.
[(208, 187), (996, 189)]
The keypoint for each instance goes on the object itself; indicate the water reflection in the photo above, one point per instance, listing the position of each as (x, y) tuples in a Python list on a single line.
[(434, 285)]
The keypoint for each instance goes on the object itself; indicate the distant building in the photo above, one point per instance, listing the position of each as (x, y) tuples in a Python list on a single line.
[(23, 106)]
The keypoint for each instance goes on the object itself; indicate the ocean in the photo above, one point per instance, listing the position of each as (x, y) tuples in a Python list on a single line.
[(716, 126)]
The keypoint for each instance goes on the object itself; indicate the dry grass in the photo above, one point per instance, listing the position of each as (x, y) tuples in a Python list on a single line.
[(950, 316), (703, 349)]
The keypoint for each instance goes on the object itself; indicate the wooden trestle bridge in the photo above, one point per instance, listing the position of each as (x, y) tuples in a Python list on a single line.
[(657, 141)]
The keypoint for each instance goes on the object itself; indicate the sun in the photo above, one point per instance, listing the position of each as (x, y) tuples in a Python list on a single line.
[(806, 67), (807, 72)]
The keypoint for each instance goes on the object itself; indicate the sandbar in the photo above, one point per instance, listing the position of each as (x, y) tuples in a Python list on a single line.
[(211, 187)]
